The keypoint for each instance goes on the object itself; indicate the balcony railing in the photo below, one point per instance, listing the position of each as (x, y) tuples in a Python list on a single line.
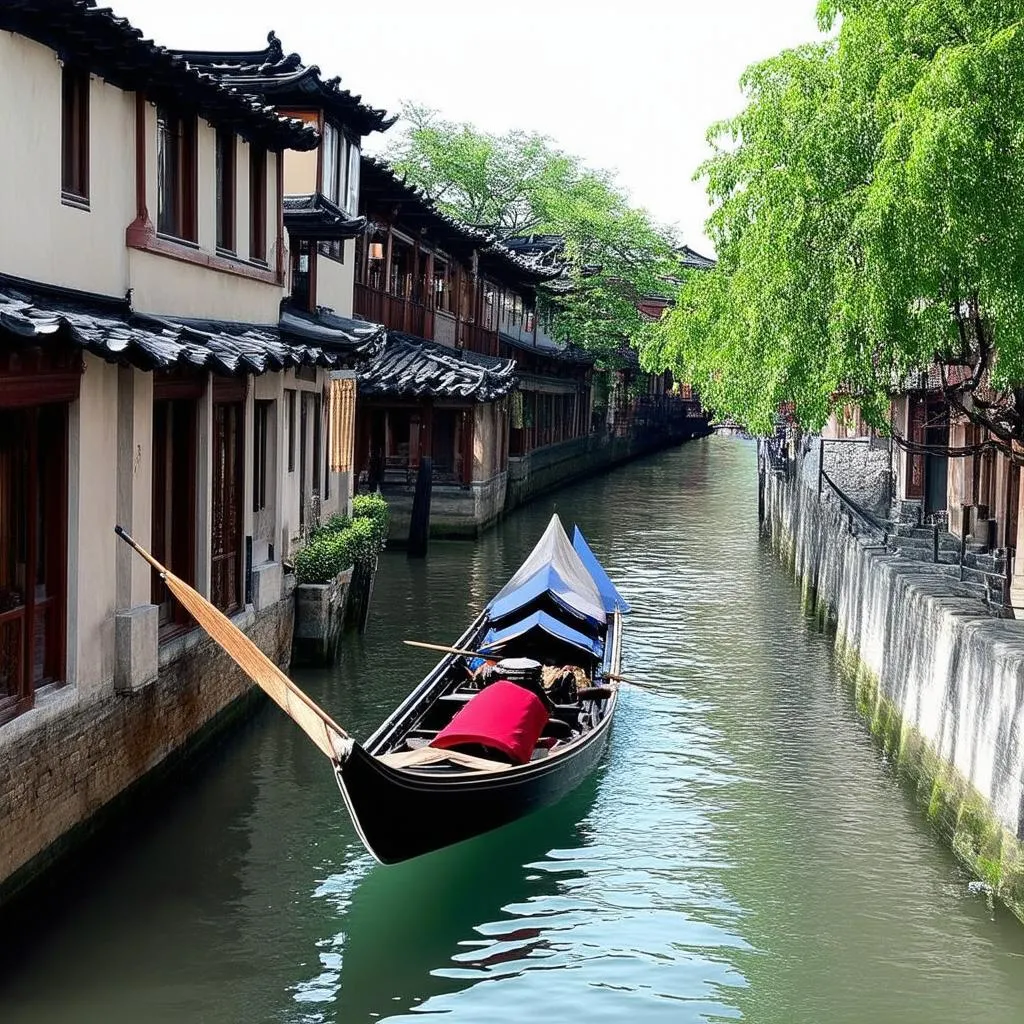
[(401, 314), (394, 312)]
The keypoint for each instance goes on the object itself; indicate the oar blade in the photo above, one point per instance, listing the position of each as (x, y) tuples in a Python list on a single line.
[(314, 722)]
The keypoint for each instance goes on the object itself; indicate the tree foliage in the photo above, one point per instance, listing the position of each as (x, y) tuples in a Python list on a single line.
[(867, 214), (519, 183)]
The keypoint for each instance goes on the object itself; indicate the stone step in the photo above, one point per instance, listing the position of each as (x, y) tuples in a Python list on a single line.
[(946, 540), (986, 563)]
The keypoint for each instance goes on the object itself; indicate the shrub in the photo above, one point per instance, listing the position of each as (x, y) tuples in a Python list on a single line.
[(341, 543), (374, 509)]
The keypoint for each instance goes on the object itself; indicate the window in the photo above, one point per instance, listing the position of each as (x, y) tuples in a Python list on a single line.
[(226, 190), (260, 454), (174, 502), (333, 183), (74, 173), (352, 192), (302, 276), (258, 204), (33, 552), (176, 175), (333, 249)]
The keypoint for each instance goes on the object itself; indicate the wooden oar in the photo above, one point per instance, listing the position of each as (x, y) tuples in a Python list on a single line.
[(478, 654), (303, 710)]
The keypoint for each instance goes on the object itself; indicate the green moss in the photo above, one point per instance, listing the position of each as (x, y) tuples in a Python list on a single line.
[(960, 815)]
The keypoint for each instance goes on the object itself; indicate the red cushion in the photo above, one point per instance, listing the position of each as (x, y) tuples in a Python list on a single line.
[(503, 716)]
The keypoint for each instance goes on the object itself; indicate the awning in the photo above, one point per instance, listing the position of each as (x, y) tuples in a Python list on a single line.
[(313, 216), (610, 596), (497, 638)]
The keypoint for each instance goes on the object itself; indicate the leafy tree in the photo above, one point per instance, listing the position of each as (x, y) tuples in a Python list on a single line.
[(868, 221), (519, 183)]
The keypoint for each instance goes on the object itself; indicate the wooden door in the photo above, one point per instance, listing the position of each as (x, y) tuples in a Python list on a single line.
[(226, 540)]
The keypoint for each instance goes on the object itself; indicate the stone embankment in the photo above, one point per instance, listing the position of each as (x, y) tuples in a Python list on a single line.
[(939, 678)]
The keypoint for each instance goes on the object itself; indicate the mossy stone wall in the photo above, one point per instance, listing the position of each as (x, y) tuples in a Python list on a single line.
[(939, 681)]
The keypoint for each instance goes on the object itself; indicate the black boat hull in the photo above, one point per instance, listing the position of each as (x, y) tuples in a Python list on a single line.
[(402, 814)]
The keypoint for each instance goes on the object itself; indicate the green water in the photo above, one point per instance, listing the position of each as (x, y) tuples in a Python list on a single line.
[(743, 853)]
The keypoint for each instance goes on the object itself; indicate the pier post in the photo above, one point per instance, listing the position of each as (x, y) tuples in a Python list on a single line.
[(419, 522)]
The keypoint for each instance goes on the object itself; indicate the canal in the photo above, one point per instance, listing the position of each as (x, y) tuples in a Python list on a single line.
[(743, 854)]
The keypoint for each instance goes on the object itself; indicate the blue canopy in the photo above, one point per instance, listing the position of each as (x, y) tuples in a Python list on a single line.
[(552, 566), (547, 580), (550, 625), (610, 596)]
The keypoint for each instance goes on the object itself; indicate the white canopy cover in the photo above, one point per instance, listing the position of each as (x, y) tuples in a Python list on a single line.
[(571, 583)]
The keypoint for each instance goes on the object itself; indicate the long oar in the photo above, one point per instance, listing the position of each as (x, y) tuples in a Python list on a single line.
[(303, 710), (477, 654)]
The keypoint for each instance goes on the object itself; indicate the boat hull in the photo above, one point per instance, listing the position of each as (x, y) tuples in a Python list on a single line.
[(402, 814)]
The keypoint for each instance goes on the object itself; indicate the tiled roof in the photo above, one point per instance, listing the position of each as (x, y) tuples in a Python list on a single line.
[(693, 260), (550, 350), (411, 367), (283, 79), (313, 215), (95, 38), (381, 183), (108, 328)]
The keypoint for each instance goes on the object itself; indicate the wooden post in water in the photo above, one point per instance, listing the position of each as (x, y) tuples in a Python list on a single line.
[(419, 523)]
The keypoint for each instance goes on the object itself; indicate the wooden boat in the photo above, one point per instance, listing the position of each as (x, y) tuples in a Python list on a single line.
[(416, 784)]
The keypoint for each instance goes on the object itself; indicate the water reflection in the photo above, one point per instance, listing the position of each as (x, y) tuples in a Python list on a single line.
[(403, 925)]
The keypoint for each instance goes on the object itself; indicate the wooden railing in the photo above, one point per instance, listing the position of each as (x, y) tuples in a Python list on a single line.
[(392, 311), (479, 339), (399, 314)]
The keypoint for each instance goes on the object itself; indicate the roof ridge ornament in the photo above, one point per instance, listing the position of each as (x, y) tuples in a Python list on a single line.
[(275, 51)]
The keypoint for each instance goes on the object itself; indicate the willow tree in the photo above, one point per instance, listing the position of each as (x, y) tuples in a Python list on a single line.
[(519, 184), (868, 217)]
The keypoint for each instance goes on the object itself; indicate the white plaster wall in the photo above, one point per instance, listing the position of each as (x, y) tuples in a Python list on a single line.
[(162, 284), (92, 581), (40, 238), (168, 286), (335, 281), (300, 172)]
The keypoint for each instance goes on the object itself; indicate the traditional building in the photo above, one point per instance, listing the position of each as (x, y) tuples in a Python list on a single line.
[(460, 308), (950, 487), (153, 375), (571, 419)]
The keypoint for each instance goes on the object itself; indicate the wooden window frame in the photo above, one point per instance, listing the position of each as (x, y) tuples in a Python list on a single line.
[(51, 610), (180, 223), (257, 204), (74, 157), (226, 190)]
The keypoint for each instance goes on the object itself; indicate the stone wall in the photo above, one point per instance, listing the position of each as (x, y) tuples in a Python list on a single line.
[(456, 510), (862, 469), (554, 465), (61, 778), (940, 681)]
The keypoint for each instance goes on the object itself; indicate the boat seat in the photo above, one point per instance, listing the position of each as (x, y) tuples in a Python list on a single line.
[(558, 728)]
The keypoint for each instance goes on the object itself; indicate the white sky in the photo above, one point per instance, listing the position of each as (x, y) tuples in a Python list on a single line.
[(631, 85)]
